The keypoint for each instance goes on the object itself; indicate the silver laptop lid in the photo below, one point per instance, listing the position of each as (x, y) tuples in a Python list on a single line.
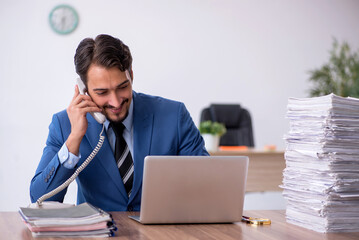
[(193, 189)]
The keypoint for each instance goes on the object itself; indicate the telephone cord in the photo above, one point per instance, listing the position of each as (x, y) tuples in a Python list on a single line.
[(76, 173)]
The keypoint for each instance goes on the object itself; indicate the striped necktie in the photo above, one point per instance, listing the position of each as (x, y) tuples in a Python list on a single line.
[(123, 157)]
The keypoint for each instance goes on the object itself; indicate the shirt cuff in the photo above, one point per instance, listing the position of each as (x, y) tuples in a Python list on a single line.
[(67, 159)]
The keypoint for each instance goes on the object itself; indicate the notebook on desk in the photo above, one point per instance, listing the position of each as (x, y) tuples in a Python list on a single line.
[(193, 189)]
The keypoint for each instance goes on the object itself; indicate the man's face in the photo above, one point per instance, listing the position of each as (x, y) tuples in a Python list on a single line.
[(111, 90)]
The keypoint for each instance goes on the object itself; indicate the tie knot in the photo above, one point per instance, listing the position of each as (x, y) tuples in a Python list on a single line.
[(118, 128)]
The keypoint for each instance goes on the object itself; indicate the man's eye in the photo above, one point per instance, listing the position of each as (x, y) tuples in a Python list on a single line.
[(100, 93)]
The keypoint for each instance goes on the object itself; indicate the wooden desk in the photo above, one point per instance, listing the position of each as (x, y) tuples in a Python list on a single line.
[(12, 227), (265, 170)]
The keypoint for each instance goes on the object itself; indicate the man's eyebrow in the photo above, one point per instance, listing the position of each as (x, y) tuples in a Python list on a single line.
[(105, 89), (123, 83)]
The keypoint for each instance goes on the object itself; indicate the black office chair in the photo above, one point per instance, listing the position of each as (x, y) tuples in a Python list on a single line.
[(237, 121)]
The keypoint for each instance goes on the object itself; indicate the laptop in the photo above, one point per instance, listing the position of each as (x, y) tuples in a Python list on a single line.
[(192, 189)]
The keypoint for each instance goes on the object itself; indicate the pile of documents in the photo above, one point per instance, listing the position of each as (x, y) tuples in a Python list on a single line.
[(321, 178), (83, 220)]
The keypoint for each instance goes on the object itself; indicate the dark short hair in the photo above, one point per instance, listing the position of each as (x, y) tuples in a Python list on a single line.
[(105, 51)]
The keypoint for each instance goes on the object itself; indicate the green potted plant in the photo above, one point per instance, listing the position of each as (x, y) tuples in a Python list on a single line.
[(340, 75), (211, 133)]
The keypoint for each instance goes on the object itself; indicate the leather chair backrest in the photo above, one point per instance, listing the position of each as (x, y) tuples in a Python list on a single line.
[(228, 114), (237, 121)]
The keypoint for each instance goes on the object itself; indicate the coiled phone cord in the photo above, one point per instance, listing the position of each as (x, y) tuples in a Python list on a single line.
[(76, 173)]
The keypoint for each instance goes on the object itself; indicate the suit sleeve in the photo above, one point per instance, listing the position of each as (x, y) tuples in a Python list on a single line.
[(50, 173), (190, 139)]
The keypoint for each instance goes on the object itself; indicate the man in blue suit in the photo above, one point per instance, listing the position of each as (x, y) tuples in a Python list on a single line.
[(152, 126)]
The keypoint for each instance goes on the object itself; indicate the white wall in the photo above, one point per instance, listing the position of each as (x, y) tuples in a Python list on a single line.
[(256, 53)]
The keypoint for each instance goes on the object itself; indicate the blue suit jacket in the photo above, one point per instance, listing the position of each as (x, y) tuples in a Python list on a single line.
[(160, 127)]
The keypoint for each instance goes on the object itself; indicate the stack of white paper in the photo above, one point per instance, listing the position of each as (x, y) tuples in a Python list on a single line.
[(321, 178), (83, 220)]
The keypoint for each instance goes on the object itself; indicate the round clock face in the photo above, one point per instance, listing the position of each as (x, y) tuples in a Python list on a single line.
[(63, 19)]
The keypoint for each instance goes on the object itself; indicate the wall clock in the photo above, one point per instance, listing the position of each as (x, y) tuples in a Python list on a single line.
[(63, 19)]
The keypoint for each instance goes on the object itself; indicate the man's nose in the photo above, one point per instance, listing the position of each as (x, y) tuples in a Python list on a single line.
[(114, 100)]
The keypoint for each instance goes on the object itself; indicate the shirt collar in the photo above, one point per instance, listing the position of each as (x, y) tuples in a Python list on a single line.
[(127, 122)]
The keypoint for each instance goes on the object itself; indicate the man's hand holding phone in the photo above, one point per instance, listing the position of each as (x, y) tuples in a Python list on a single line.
[(80, 105)]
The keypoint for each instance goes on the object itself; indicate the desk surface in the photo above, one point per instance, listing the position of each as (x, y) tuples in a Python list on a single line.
[(12, 227)]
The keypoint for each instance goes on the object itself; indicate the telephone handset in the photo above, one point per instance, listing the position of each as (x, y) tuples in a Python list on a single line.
[(99, 117)]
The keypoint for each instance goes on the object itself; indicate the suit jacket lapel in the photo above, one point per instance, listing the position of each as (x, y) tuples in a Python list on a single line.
[(105, 155), (142, 131)]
